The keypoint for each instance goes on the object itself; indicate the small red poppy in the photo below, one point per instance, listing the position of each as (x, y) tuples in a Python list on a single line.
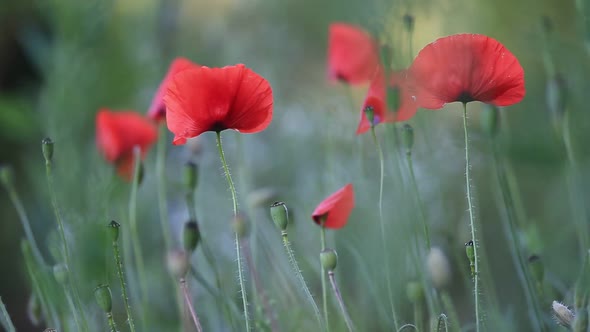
[(335, 208), (464, 68), (201, 99), (117, 133), (353, 55), (379, 91), (157, 110)]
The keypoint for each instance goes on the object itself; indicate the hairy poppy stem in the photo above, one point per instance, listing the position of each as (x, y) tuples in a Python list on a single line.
[(336, 290), (140, 266), (121, 275), (189, 303), (382, 225), (237, 236), (443, 324), (324, 287), (6, 321), (161, 174), (111, 320), (471, 222), (299, 275)]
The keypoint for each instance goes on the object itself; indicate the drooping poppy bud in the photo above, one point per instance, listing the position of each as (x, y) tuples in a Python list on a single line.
[(191, 176), (104, 298), (408, 138), (333, 211), (439, 268), (563, 315), (329, 259), (178, 263), (280, 215), (191, 236), (114, 230), (47, 148)]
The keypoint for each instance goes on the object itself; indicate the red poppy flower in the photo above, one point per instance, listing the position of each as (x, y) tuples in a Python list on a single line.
[(464, 68), (381, 96), (201, 99), (353, 54), (335, 208), (157, 110), (117, 133)]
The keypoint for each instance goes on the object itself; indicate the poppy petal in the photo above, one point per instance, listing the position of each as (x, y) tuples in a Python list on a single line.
[(336, 208)]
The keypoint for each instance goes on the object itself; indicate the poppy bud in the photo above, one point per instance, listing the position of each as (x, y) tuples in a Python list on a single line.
[(114, 230), (177, 262), (408, 138), (6, 176), (102, 294), (537, 269), (34, 310), (581, 320), (414, 291), (329, 259), (191, 176), (490, 120), (370, 114), (409, 23), (469, 250), (240, 225), (562, 314), (60, 273), (279, 214), (191, 236), (438, 267), (47, 148)]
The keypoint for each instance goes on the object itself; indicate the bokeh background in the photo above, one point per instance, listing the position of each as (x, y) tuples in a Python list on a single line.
[(62, 60)]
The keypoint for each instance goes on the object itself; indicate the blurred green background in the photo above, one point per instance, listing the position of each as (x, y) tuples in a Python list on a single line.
[(61, 60)]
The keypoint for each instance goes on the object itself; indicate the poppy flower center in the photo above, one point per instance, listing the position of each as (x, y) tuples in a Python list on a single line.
[(218, 126), (465, 97)]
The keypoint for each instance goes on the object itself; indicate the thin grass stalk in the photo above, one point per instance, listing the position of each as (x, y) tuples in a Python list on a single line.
[(189, 303), (324, 287), (6, 321), (237, 237), (336, 290), (72, 306)]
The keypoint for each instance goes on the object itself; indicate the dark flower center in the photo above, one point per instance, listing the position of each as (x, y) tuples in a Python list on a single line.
[(218, 126), (465, 97)]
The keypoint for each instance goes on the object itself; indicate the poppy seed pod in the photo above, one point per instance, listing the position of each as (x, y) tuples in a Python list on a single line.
[(537, 268), (191, 176), (279, 215), (191, 236), (7, 176), (240, 226), (414, 291), (408, 137), (178, 263), (104, 298), (114, 230), (439, 268), (490, 120), (329, 259), (563, 315), (60, 273), (47, 148)]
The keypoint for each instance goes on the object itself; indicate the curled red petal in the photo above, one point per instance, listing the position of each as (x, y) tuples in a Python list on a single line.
[(467, 67), (336, 208), (353, 54)]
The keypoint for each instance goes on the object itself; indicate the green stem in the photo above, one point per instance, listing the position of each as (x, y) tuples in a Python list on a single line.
[(161, 174), (324, 287), (121, 275), (237, 237), (189, 303), (443, 324), (418, 200), (471, 221), (140, 267), (6, 321), (299, 275), (73, 308), (382, 225), (336, 290), (112, 324)]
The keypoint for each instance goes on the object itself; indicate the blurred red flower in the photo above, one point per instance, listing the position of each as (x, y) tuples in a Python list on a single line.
[(353, 55), (117, 133), (464, 68), (201, 99), (384, 94), (157, 110), (335, 208)]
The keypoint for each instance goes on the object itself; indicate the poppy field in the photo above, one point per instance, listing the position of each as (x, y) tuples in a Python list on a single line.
[(279, 166)]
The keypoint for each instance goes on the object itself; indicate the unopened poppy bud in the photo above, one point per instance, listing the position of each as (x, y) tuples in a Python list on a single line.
[(177, 262), (414, 291), (47, 148), (438, 267), (191, 236), (34, 312), (409, 23), (114, 230), (280, 215), (537, 268), (191, 176), (563, 315), (370, 114), (6, 176), (581, 320), (104, 298), (239, 225), (490, 117), (408, 137), (60, 273), (470, 251), (329, 259)]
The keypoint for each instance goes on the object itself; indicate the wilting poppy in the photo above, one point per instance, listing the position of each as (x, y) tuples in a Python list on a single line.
[(157, 110), (201, 99), (353, 55), (117, 133), (464, 68), (390, 101), (335, 209)]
